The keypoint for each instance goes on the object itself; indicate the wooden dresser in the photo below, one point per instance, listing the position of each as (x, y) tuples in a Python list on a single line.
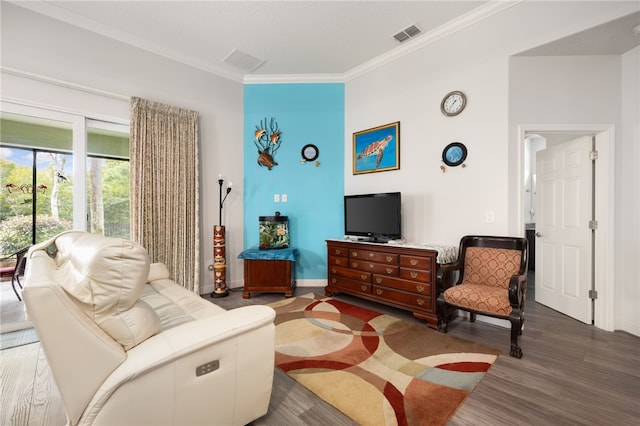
[(403, 277)]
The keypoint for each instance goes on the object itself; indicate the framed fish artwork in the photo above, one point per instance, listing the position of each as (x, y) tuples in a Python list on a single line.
[(377, 149)]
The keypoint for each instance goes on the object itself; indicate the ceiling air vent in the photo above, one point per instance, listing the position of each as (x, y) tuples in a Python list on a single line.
[(244, 61), (407, 33)]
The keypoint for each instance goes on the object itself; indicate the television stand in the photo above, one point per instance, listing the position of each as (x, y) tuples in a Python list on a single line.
[(395, 275)]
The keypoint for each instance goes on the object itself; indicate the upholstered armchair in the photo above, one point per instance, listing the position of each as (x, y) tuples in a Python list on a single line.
[(15, 268), (489, 278), (126, 345)]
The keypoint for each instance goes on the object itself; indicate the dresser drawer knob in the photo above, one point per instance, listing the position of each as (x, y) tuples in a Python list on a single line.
[(378, 280), (333, 280), (413, 262), (363, 287), (338, 251), (420, 288), (389, 259), (354, 264), (379, 291), (370, 254), (333, 270), (371, 265), (420, 301), (414, 275), (363, 277), (354, 254)]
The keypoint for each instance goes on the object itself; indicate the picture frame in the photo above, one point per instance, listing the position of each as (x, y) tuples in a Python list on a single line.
[(377, 149)]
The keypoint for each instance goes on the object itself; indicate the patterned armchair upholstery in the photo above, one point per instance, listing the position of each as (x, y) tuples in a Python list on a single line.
[(491, 280)]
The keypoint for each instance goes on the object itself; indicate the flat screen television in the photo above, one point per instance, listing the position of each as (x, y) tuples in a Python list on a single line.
[(376, 217)]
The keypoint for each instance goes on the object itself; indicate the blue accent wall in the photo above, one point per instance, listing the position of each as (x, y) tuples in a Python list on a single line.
[(306, 114)]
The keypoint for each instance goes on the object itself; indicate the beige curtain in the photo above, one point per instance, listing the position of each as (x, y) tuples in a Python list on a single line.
[(165, 189)]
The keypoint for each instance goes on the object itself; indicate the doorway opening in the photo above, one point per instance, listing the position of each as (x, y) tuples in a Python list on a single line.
[(534, 138)]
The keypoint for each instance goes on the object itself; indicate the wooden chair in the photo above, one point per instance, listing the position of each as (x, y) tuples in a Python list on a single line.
[(16, 269), (491, 280)]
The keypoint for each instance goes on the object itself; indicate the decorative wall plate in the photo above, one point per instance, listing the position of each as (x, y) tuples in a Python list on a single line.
[(454, 154), (310, 152)]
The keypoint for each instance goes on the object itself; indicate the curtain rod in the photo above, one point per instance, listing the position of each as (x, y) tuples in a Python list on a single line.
[(63, 83)]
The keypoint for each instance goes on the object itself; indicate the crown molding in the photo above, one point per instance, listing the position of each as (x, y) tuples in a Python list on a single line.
[(293, 78), (476, 15), (56, 12)]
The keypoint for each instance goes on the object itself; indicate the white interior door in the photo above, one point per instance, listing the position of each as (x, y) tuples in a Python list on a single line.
[(564, 207)]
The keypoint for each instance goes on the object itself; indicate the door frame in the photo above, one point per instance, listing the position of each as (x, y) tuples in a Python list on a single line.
[(604, 274)]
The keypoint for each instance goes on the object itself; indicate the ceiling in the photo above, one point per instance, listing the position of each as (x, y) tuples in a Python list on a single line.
[(237, 39)]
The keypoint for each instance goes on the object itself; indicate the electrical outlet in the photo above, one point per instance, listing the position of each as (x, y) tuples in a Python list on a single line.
[(276, 198), (284, 198), (490, 217)]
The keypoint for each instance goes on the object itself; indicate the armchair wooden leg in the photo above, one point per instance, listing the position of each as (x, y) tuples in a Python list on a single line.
[(516, 330), (443, 314)]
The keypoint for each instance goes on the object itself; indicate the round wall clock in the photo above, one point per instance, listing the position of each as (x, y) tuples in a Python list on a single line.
[(454, 154), (453, 103), (310, 152)]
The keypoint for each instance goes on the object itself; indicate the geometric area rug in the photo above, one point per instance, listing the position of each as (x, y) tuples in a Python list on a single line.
[(376, 369)]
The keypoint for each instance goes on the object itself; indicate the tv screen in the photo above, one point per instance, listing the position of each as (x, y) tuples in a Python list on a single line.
[(374, 216)]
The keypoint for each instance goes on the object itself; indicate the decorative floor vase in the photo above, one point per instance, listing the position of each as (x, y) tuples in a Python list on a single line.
[(219, 263)]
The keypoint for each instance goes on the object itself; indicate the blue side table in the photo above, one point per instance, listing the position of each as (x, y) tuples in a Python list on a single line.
[(269, 271)]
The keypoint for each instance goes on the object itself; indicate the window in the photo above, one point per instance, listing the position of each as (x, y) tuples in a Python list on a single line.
[(108, 179), (60, 171)]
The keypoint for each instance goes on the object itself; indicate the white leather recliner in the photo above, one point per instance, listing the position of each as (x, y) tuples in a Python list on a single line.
[(128, 346)]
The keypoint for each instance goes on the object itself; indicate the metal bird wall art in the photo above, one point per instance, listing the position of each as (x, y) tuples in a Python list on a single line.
[(267, 138)]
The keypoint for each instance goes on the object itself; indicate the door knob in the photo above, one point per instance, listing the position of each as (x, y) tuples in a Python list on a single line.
[(538, 234)]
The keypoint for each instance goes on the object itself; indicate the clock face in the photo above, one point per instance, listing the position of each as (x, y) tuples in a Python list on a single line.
[(454, 154), (453, 103)]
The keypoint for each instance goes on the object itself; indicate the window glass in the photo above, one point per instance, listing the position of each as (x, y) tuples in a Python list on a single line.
[(36, 201), (37, 177), (108, 179)]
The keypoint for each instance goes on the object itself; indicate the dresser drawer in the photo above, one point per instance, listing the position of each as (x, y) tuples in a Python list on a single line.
[(338, 251), (416, 274), (338, 261), (416, 262), (350, 285), (417, 301), (373, 256), (405, 285), (376, 268), (361, 276)]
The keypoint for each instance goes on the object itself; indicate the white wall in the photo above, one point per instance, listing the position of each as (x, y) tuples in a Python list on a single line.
[(437, 207), (38, 45), (627, 314), (441, 207), (503, 92)]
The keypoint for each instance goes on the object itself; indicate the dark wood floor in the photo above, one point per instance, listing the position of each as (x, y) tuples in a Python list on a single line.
[(571, 374)]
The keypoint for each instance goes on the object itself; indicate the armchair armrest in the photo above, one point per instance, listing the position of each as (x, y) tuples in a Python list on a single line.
[(517, 290), (445, 275)]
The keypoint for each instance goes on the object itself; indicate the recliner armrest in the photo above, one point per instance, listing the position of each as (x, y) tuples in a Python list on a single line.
[(241, 340)]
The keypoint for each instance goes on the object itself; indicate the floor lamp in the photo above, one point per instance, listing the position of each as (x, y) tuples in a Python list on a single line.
[(219, 254)]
